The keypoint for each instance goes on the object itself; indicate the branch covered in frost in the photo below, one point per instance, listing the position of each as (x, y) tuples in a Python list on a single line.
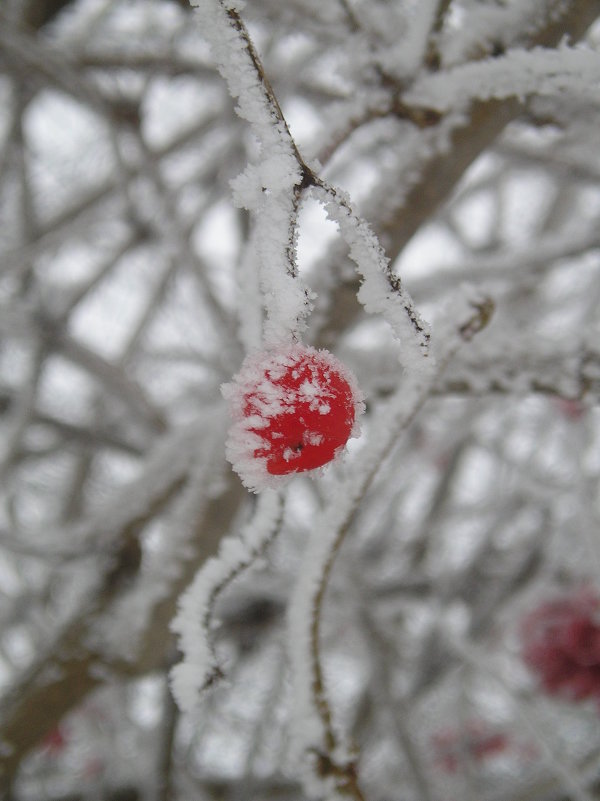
[(199, 668), (381, 291), (493, 25), (519, 73), (413, 31), (269, 188), (334, 768)]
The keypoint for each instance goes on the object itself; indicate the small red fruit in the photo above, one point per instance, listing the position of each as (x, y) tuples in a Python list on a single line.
[(293, 409), (55, 741), (561, 644), (475, 741)]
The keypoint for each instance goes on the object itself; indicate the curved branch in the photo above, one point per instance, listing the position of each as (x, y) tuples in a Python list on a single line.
[(316, 732)]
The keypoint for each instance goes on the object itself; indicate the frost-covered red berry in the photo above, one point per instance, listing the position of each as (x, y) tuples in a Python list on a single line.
[(561, 645), (293, 410)]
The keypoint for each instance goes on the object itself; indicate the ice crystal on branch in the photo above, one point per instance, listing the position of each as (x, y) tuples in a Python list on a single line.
[(519, 73), (268, 188), (199, 667), (381, 291)]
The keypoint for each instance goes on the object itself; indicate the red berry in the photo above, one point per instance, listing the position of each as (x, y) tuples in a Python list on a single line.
[(561, 644), (293, 408), (475, 741), (55, 741)]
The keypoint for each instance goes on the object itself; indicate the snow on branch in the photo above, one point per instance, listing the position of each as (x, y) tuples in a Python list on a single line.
[(315, 733), (199, 668), (519, 73), (269, 188), (381, 291), (412, 30), (491, 24)]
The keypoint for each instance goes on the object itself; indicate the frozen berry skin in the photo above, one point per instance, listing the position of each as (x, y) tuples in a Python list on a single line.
[(293, 409)]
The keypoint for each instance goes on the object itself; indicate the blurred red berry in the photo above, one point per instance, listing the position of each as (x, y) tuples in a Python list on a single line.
[(294, 409), (571, 408), (93, 767), (475, 741), (561, 645), (55, 741)]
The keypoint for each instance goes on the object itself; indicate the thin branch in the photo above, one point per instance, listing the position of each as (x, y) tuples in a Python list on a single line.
[(114, 378), (275, 191), (22, 409), (104, 269), (177, 239), (397, 709), (200, 668), (165, 761), (329, 533), (372, 263), (55, 229)]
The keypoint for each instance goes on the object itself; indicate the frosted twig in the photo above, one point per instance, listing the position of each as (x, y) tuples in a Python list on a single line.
[(271, 100), (200, 668), (166, 766), (376, 105), (271, 187), (493, 28), (519, 73), (381, 290), (315, 727)]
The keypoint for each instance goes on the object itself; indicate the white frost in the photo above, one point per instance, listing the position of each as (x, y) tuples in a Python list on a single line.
[(265, 188), (519, 73), (199, 665), (376, 293)]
